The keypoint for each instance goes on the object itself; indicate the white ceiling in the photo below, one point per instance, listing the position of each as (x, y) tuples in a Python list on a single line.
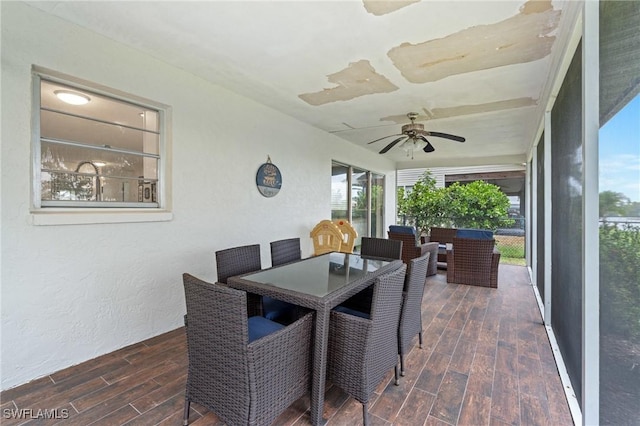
[(355, 68)]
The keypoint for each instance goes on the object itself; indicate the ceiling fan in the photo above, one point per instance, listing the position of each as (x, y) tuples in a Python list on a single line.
[(414, 137)]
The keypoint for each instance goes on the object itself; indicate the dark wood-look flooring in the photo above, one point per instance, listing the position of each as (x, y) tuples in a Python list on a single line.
[(486, 360)]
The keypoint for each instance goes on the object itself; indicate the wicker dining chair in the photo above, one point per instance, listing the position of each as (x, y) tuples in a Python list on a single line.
[(246, 370), (242, 260), (381, 248), (326, 237), (285, 251), (363, 346), (411, 312), (349, 235)]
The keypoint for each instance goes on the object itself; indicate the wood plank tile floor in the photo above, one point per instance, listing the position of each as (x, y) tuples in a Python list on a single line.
[(486, 360)]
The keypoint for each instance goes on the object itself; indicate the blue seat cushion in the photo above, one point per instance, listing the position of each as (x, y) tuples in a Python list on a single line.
[(350, 311), (275, 309), (260, 327), (478, 234), (400, 229)]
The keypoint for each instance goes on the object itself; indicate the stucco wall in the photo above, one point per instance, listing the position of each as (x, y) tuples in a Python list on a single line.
[(73, 292)]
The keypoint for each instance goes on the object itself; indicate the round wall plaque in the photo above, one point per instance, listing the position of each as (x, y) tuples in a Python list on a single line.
[(268, 179)]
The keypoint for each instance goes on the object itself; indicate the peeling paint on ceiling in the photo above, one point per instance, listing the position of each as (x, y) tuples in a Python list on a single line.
[(283, 51), (437, 113), (378, 8), (358, 79), (519, 39)]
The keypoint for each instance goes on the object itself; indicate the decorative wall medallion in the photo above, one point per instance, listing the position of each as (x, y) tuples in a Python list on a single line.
[(268, 179)]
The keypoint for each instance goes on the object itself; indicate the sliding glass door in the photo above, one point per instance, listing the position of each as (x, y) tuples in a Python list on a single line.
[(357, 195)]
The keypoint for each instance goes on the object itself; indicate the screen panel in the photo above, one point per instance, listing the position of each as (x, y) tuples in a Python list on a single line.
[(539, 215), (566, 222)]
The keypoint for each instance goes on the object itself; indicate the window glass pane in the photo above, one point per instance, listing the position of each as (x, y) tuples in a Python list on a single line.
[(99, 107), (350, 200), (377, 206), (54, 125), (359, 203), (82, 188), (69, 172), (339, 191), (56, 157)]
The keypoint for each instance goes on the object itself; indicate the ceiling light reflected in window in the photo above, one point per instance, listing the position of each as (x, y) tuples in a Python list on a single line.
[(73, 98)]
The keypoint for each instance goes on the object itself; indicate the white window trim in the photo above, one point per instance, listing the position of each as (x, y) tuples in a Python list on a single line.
[(80, 216), (94, 215)]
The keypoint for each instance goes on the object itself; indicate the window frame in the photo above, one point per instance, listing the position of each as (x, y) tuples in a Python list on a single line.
[(63, 213)]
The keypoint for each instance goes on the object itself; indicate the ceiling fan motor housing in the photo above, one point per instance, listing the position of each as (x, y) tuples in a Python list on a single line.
[(413, 129)]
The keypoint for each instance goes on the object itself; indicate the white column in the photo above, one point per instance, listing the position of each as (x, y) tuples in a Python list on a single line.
[(590, 215)]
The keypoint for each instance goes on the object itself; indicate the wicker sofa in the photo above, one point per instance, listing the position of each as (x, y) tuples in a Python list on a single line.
[(473, 258)]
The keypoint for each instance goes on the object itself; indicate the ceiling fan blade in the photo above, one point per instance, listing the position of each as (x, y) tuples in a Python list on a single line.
[(447, 136), (428, 147), (392, 144), (381, 139)]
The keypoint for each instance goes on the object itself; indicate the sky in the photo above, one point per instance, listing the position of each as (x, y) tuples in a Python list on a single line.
[(620, 152)]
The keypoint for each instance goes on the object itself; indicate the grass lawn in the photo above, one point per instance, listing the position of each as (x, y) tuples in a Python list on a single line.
[(520, 261), (511, 249)]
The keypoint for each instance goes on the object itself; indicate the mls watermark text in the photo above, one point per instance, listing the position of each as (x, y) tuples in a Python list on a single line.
[(32, 413)]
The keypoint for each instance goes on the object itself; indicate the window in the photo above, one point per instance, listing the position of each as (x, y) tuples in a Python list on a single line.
[(95, 149)]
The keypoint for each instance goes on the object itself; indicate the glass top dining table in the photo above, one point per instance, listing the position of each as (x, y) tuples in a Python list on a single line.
[(319, 283)]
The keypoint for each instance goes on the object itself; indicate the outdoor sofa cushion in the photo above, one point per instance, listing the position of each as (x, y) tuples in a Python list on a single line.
[(401, 229), (479, 234)]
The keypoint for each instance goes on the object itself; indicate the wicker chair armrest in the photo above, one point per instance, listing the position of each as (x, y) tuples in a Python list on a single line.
[(495, 263), (347, 331), (450, 263), (280, 364), (425, 246), (495, 258), (449, 253)]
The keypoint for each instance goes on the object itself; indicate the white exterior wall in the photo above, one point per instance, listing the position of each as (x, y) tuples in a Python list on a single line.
[(70, 293), (408, 177)]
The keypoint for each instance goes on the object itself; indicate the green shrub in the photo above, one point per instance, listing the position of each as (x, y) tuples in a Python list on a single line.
[(475, 204)]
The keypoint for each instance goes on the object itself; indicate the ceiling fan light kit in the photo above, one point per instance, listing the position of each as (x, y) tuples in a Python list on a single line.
[(413, 144), (413, 137)]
